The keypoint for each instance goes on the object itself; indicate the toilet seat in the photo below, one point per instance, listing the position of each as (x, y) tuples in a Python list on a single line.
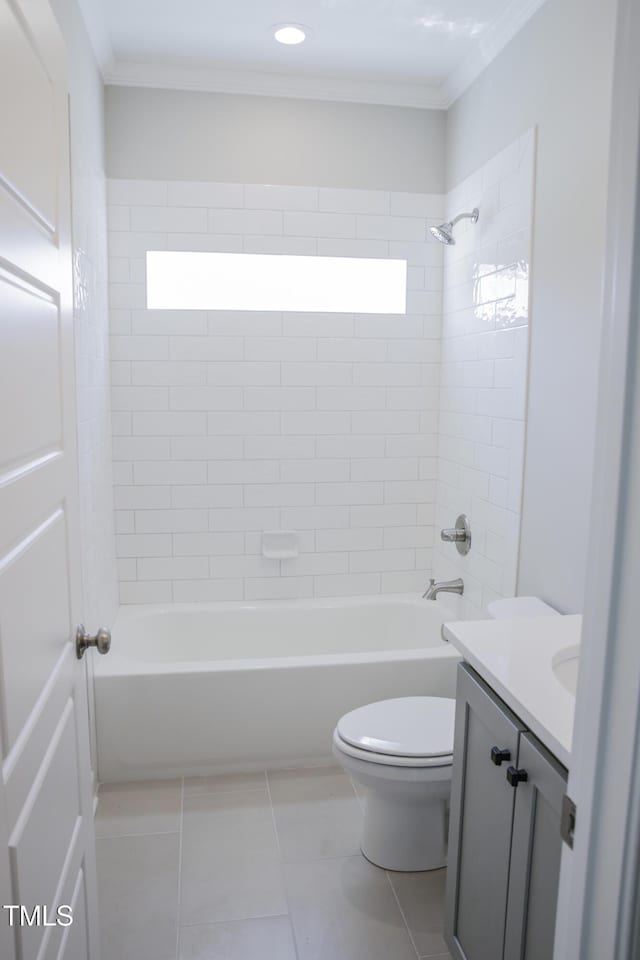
[(404, 732), (388, 760)]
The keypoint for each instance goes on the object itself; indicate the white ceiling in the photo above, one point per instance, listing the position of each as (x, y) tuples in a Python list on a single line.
[(417, 52)]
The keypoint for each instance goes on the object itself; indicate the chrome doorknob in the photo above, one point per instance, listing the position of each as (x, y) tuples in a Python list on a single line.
[(101, 641)]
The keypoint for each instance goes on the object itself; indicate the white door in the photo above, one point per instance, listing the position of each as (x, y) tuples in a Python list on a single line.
[(47, 853), (599, 902)]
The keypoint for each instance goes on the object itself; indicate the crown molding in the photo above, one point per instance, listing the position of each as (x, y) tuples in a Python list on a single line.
[(490, 44), (208, 79), (95, 24)]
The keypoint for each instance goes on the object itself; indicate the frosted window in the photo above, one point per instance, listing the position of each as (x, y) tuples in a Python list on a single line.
[(237, 281)]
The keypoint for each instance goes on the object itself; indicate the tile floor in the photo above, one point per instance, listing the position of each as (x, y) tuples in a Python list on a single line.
[(258, 866)]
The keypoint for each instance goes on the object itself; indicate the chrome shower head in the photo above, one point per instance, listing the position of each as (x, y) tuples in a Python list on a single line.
[(444, 232)]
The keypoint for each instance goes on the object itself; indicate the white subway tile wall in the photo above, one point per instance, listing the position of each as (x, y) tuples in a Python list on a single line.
[(483, 375), (228, 424)]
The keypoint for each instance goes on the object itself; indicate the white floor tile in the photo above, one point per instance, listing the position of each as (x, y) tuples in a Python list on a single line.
[(236, 892), (138, 890), (225, 783), (345, 910), (421, 897), (265, 939), (230, 863), (125, 809), (316, 812)]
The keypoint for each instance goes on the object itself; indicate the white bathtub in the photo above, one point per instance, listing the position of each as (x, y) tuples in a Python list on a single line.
[(190, 689)]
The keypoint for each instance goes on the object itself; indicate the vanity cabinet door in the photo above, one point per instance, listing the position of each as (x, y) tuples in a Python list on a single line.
[(482, 806), (535, 854)]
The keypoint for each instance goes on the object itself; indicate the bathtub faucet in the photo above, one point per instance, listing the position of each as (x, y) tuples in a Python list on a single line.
[(443, 586)]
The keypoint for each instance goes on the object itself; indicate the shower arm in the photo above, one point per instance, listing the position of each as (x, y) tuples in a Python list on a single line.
[(466, 216)]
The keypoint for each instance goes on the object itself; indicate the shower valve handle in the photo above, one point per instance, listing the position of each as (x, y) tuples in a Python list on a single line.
[(453, 535), (460, 534)]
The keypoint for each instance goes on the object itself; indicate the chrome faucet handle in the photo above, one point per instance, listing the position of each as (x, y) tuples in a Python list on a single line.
[(452, 535), (460, 534)]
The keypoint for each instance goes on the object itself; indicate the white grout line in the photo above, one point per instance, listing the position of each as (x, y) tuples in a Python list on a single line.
[(284, 886), (180, 869), (220, 923), (404, 919), (294, 939), (222, 793), (128, 836), (273, 815)]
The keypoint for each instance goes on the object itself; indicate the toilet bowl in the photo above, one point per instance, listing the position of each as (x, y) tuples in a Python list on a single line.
[(401, 751)]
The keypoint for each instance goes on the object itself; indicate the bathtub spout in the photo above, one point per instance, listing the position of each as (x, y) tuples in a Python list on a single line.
[(443, 586)]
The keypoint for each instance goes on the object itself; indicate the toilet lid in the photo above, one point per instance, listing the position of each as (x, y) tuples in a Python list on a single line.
[(406, 727)]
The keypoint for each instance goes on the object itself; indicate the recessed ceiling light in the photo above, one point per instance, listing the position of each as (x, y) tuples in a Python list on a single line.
[(290, 34)]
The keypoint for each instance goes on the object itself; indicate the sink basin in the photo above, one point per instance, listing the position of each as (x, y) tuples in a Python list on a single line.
[(565, 665)]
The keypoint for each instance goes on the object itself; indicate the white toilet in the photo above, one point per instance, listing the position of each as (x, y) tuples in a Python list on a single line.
[(402, 752)]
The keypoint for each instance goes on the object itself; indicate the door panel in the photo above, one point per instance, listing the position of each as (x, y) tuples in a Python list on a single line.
[(22, 766), (69, 942), (74, 939), (47, 845), (27, 138), (51, 818), (535, 858), (30, 374), (481, 817), (40, 559)]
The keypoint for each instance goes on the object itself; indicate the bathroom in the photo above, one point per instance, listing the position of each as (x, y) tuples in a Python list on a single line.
[(318, 460)]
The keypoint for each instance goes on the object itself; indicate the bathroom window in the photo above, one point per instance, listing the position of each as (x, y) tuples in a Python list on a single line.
[(235, 281)]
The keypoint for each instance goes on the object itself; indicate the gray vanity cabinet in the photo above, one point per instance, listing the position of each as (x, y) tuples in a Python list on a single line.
[(504, 841), (535, 854), (482, 805)]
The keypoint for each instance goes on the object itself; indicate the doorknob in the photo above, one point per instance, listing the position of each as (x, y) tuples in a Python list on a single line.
[(101, 641)]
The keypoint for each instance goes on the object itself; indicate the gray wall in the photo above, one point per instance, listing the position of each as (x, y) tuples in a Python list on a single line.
[(177, 135), (555, 74)]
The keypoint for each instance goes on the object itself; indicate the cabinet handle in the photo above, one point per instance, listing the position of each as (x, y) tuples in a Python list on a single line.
[(499, 756), (515, 776)]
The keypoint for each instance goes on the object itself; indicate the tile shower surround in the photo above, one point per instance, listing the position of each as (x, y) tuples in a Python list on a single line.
[(228, 424), (484, 374)]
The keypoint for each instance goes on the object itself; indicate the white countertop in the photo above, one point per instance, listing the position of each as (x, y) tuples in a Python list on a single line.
[(515, 657)]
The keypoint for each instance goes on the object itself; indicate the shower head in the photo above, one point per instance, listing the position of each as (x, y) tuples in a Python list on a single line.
[(444, 232)]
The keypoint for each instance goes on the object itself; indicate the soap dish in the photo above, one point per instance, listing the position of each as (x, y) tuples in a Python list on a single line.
[(280, 544)]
